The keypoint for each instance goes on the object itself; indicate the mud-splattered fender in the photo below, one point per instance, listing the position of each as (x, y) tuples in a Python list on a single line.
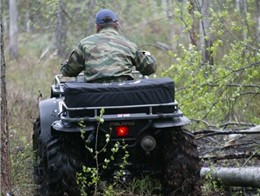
[(49, 110), (174, 122)]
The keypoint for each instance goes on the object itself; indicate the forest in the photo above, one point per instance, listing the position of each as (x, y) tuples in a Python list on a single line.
[(211, 49)]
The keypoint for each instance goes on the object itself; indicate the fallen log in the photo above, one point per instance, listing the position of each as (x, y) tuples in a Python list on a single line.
[(243, 177), (242, 155)]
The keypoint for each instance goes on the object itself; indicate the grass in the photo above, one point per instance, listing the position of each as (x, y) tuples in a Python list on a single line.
[(25, 78)]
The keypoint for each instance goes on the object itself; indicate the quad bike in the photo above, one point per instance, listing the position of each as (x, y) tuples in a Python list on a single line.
[(140, 117)]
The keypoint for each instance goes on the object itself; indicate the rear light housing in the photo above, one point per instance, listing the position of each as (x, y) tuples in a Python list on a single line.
[(122, 131)]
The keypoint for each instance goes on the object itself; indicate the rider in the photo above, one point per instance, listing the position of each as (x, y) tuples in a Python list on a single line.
[(107, 56)]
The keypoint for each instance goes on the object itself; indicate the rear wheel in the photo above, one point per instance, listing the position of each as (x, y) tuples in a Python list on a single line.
[(181, 169), (63, 158), (38, 156)]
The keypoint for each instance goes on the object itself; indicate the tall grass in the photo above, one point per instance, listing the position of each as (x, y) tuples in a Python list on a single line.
[(27, 77)]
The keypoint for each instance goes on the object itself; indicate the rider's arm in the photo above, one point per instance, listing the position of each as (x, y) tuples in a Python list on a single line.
[(145, 62), (75, 63)]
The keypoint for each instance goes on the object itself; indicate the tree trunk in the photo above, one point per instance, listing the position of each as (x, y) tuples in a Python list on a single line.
[(205, 37), (60, 33), (13, 29), (193, 31), (5, 159), (243, 13), (171, 22), (28, 22), (91, 4), (257, 21), (244, 176)]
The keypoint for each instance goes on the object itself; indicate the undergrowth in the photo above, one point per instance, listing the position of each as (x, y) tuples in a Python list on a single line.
[(28, 80)]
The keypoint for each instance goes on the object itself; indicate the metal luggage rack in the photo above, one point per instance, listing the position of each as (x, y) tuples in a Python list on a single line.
[(111, 113), (57, 87)]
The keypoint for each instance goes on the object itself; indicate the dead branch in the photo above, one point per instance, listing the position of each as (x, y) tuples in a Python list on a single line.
[(163, 46), (234, 85), (207, 133), (231, 156), (237, 123)]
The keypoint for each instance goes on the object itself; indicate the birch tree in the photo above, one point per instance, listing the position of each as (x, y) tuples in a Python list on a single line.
[(205, 37), (258, 21), (242, 5), (171, 21), (13, 28)]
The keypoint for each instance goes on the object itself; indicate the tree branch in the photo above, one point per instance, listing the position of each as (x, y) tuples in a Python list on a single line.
[(231, 156), (207, 133)]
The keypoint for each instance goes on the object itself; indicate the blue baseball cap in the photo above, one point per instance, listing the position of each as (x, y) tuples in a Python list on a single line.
[(105, 16)]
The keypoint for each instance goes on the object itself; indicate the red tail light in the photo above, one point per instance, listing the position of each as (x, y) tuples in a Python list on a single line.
[(122, 131)]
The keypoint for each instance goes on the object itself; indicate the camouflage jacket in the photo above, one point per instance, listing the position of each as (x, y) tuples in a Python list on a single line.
[(107, 55)]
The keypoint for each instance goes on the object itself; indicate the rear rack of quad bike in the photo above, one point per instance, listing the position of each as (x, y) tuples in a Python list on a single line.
[(116, 113)]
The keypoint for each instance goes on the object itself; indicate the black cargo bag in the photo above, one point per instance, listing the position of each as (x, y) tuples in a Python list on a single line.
[(132, 92)]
